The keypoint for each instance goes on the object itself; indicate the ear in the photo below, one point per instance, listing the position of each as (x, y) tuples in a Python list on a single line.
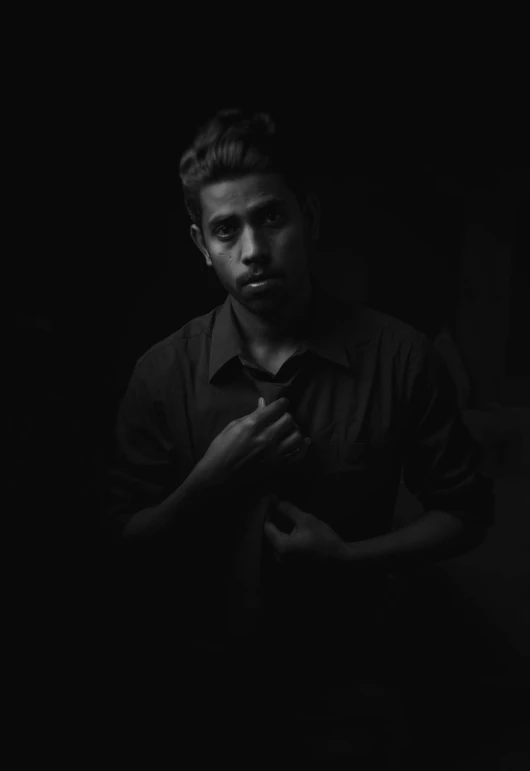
[(312, 215), (198, 240)]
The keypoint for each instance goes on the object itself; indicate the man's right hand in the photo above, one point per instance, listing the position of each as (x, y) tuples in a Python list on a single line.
[(266, 439)]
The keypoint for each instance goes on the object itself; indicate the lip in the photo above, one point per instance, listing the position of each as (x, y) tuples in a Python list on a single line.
[(263, 283), (264, 277)]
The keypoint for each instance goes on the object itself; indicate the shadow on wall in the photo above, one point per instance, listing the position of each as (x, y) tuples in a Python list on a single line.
[(342, 273), (407, 237), (485, 594)]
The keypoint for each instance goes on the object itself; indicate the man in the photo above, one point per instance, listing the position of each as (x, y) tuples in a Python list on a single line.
[(260, 448)]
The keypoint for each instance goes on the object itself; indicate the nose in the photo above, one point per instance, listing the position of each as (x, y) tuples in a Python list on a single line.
[(253, 245)]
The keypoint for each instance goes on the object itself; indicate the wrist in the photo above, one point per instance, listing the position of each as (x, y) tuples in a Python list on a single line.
[(348, 553), (204, 481), (360, 556)]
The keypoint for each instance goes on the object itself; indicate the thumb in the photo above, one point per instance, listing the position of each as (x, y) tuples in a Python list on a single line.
[(293, 512)]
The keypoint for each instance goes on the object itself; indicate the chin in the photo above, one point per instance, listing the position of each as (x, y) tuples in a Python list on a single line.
[(261, 303), (268, 298)]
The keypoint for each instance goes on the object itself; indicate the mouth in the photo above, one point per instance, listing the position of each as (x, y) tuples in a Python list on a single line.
[(261, 277), (262, 283)]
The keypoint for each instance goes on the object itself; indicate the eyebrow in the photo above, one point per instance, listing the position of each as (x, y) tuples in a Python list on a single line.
[(263, 204)]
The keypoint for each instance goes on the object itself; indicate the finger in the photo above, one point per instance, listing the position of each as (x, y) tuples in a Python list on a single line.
[(295, 514), (276, 537), (294, 457), (270, 413), (261, 403), (292, 443), (282, 429)]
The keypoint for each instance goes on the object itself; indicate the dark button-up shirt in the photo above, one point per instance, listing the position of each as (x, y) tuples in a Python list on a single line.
[(376, 400)]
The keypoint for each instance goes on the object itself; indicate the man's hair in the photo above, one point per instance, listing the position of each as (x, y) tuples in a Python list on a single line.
[(235, 143)]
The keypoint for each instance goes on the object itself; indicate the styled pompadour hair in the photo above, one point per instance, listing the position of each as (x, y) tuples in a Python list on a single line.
[(234, 143)]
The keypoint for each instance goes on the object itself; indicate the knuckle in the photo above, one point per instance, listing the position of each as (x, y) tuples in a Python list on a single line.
[(259, 441)]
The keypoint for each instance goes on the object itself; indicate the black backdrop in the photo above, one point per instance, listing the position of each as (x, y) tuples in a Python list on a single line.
[(102, 250), (111, 264), (104, 239)]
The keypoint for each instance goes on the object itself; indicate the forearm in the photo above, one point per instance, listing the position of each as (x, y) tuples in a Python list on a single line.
[(156, 522), (435, 536)]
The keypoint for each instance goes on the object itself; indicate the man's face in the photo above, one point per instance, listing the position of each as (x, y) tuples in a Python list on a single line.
[(254, 224)]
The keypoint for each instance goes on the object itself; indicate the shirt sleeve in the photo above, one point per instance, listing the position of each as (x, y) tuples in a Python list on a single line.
[(442, 460), (142, 471)]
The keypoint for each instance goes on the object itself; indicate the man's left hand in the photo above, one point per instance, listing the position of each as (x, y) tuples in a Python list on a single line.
[(310, 538)]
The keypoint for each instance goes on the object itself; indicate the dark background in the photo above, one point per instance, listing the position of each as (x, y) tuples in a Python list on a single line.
[(115, 269), (104, 252), (110, 264)]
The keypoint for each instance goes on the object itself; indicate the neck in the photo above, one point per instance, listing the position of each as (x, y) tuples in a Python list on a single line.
[(285, 325)]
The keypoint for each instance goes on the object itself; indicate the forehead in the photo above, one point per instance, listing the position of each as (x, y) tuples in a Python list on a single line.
[(238, 195)]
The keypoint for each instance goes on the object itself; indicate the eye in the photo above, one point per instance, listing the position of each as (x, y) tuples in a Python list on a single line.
[(273, 217), (225, 232)]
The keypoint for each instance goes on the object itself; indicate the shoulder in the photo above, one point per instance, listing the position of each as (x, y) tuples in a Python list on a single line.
[(178, 351), (393, 337)]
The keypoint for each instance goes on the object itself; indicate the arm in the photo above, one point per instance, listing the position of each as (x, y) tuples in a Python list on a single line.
[(149, 487), (441, 469), (435, 536), (157, 521)]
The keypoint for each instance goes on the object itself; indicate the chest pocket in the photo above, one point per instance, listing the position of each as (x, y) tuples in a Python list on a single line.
[(335, 452)]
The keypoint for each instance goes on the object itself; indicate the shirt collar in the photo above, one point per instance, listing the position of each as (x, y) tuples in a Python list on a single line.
[(325, 337)]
